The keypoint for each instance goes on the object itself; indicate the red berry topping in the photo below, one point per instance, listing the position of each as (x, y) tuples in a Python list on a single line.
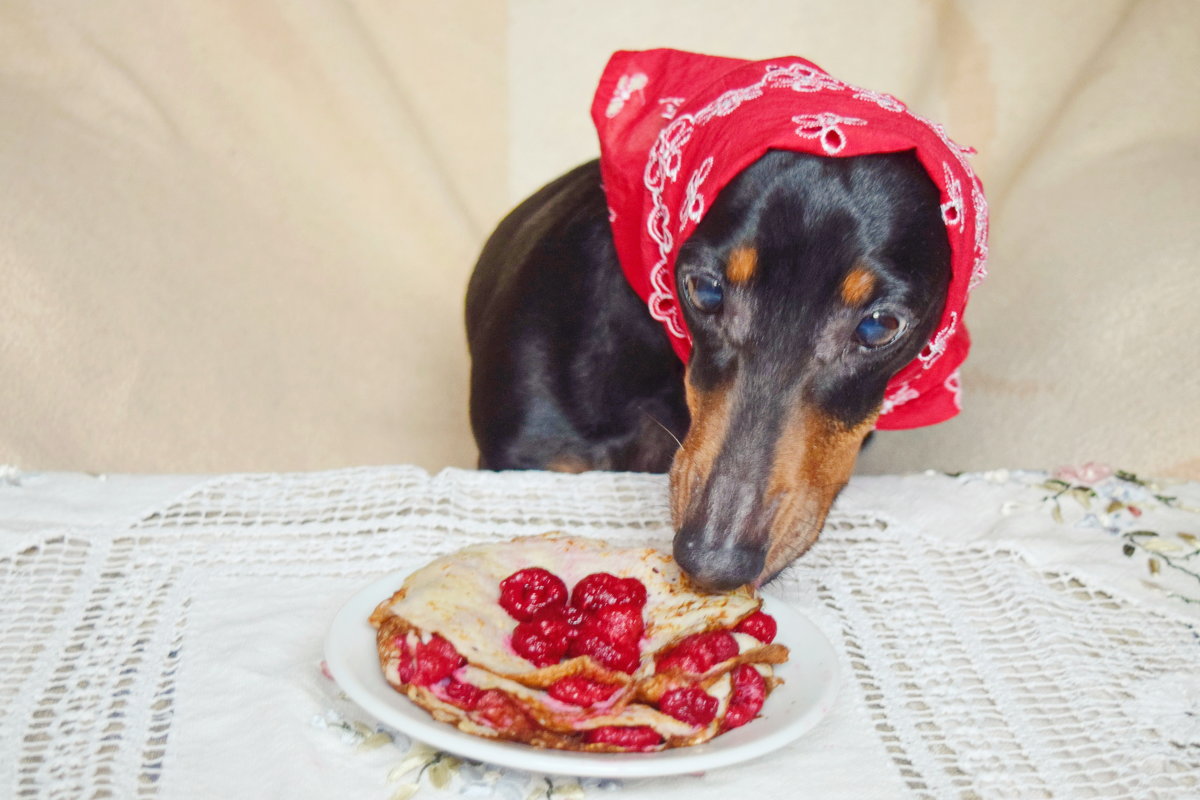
[(404, 653), (699, 652), (620, 624), (575, 617), (528, 591), (495, 709), (426, 663), (544, 639), (463, 695), (631, 737), (689, 704), (601, 589), (759, 625), (604, 652), (580, 691), (749, 692), (736, 717)]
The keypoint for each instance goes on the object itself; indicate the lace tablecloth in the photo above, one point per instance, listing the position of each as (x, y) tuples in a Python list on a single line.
[(1001, 634)]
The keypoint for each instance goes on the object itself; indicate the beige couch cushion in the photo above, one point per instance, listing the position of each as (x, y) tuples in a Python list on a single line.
[(236, 235)]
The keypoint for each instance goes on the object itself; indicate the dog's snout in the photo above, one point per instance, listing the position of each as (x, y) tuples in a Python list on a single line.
[(717, 568)]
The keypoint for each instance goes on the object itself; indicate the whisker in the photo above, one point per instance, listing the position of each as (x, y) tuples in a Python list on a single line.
[(664, 427)]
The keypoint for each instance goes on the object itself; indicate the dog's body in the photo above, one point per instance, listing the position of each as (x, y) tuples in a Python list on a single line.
[(807, 285), (569, 371)]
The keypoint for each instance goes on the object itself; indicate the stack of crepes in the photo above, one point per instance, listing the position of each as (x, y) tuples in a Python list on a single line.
[(449, 640)]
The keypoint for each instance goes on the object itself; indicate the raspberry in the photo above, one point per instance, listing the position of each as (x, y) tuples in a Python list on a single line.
[(621, 625), (631, 737), (689, 704), (528, 591), (426, 663), (404, 653), (736, 717), (463, 695), (749, 692), (601, 589), (580, 691), (759, 625), (622, 659), (575, 617), (544, 639), (699, 652), (496, 710)]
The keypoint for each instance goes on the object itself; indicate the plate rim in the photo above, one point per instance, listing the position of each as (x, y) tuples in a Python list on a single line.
[(444, 736)]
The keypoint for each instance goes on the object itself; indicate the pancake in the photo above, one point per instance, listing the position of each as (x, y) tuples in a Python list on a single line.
[(446, 640)]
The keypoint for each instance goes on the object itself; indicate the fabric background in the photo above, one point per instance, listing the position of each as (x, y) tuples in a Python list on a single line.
[(236, 236)]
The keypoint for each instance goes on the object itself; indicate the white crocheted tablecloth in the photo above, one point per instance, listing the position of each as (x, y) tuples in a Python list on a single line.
[(1008, 634)]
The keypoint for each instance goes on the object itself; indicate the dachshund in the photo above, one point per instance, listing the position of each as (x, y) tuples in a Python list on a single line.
[(810, 281)]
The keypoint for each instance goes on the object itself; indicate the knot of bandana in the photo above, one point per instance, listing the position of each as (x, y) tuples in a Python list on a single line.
[(676, 127)]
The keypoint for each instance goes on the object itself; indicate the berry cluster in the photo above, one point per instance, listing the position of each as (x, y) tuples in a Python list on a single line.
[(601, 617), (699, 653), (426, 663), (432, 664)]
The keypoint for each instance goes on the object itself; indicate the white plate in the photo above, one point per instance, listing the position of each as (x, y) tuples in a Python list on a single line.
[(807, 694)]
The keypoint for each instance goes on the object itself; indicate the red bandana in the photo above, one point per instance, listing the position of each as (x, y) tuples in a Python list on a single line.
[(677, 127)]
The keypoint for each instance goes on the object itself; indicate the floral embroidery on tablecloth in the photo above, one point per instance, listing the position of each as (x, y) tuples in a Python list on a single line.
[(421, 766), (1098, 496)]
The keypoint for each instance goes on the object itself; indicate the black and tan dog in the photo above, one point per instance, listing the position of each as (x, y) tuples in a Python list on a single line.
[(765, 264), (808, 284)]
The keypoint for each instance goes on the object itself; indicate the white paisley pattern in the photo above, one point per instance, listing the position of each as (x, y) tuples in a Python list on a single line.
[(952, 208), (898, 397), (953, 385), (937, 345), (626, 88), (802, 78), (825, 126), (693, 203), (979, 271), (670, 106), (884, 101)]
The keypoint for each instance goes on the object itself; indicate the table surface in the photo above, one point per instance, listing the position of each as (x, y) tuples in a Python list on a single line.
[(1001, 634)]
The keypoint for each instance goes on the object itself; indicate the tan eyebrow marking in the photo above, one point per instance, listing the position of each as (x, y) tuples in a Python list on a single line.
[(858, 286), (742, 263)]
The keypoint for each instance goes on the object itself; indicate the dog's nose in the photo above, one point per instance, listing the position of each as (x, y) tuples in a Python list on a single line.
[(720, 568)]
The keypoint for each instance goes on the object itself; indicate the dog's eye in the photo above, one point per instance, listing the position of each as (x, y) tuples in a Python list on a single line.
[(705, 294), (879, 329)]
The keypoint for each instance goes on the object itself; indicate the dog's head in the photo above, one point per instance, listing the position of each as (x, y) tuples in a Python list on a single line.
[(808, 284)]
